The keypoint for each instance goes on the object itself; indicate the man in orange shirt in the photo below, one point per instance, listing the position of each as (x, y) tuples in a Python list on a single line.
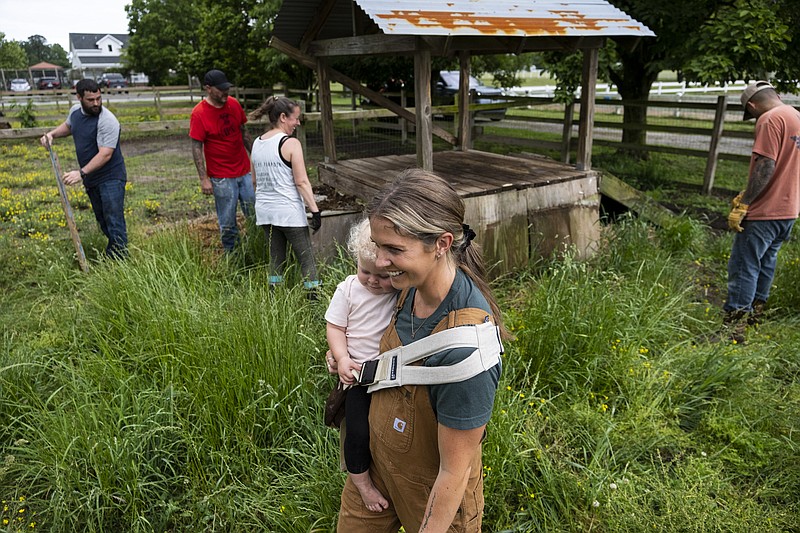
[(220, 147), (764, 213)]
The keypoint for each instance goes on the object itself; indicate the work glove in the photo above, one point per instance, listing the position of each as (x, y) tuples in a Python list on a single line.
[(738, 211), (316, 222)]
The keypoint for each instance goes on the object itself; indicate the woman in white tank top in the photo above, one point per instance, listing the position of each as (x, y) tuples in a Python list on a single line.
[(283, 190)]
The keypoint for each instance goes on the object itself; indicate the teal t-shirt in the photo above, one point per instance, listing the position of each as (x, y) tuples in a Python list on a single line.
[(467, 404)]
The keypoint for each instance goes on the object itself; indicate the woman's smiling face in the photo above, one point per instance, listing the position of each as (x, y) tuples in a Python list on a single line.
[(405, 259)]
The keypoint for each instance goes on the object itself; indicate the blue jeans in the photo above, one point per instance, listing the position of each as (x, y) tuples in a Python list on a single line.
[(228, 192), (751, 267), (108, 204)]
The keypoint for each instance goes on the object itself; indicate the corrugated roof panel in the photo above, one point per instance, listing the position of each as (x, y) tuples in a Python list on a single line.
[(502, 18)]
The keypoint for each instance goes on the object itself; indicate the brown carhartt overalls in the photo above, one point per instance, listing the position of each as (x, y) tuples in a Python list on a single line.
[(405, 453)]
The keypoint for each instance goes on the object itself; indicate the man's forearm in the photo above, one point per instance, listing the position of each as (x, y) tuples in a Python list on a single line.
[(247, 140), (100, 159), (763, 170), (61, 131), (199, 160)]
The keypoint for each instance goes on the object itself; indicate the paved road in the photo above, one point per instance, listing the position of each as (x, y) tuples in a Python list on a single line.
[(698, 142)]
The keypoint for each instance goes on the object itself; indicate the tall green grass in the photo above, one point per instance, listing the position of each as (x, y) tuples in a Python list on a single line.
[(172, 393), (618, 415), (175, 392)]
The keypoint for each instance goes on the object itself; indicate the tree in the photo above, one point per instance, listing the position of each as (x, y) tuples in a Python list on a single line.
[(12, 56), (163, 38), (503, 68), (37, 50), (701, 40), (227, 42), (190, 37), (274, 66)]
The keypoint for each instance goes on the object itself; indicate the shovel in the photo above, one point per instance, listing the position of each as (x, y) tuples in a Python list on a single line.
[(73, 229)]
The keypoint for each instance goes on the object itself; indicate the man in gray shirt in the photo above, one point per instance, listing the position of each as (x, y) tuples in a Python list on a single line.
[(96, 132)]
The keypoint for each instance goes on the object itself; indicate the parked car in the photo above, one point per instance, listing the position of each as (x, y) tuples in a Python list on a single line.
[(48, 83), (443, 92), (446, 88), (113, 80), (19, 85)]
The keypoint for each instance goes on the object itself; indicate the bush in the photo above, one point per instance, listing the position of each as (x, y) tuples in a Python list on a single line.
[(26, 115)]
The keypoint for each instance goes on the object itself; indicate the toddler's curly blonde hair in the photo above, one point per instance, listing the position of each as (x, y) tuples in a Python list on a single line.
[(360, 244)]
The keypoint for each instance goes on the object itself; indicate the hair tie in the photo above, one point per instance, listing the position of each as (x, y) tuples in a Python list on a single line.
[(469, 234)]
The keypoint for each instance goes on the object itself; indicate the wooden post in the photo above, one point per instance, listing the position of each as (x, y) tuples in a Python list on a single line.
[(713, 149), (586, 118), (326, 111), (403, 122), (422, 95), (566, 133), (354, 122), (300, 131), (157, 101), (464, 99)]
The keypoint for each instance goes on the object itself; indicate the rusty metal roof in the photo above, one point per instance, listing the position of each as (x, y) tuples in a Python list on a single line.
[(508, 18), (531, 21)]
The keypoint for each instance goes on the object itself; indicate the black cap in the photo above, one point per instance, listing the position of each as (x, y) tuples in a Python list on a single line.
[(216, 78)]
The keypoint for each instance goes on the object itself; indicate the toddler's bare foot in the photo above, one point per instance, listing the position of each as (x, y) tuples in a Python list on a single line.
[(372, 497)]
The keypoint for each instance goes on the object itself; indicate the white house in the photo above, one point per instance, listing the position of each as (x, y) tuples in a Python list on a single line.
[(92, 54)]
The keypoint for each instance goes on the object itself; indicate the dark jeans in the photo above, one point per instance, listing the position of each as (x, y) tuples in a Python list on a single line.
[(356, 442), (278, 237), (108, 204)]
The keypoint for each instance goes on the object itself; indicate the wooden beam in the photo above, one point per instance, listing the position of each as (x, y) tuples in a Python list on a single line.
[(354, 86), (320, 18), (326, 110), (362, 45), (586, 117), (713, 149), (566, 132), (464, 123), (521, 47), (446, 47), (372, 44), (647, 208), (424, 119)]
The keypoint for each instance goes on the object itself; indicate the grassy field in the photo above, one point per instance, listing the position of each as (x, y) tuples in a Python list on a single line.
[(174, 392)]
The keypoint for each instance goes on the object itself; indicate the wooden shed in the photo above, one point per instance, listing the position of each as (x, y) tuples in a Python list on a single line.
[(521, 207)]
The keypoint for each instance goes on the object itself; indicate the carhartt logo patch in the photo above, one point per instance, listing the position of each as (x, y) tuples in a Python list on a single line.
[(399, 425)]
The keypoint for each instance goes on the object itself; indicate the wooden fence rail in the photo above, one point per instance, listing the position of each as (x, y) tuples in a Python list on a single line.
[(698, 129)]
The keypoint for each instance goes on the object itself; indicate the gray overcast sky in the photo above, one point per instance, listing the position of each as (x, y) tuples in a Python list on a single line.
[(56, 19)]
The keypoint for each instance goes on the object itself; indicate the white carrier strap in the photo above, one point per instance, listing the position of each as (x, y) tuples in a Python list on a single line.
[(394, 369)]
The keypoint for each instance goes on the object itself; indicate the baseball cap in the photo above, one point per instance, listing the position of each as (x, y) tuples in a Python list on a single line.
[(748, 93), (216, 78)]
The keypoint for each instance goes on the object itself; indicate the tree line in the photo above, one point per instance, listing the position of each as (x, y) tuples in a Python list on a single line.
[(19, 55)]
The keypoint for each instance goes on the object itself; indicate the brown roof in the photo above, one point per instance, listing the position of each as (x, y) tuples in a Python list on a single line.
[(44, 65)]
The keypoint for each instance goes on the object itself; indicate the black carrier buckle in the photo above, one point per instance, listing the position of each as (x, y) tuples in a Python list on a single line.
[(367, 375)]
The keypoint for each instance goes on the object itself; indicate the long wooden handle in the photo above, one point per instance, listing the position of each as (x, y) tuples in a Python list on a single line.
[(73, 229)]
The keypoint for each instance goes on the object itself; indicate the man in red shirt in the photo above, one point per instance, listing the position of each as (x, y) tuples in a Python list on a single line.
[(220, 147), (764, 213)]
